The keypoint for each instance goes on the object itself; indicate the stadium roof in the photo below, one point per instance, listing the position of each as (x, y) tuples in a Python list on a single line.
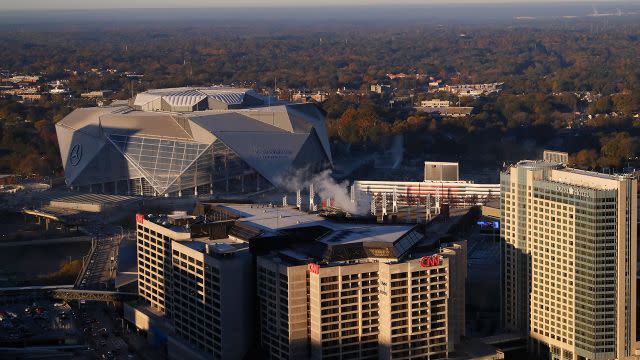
[(162, 145), (180, 99)]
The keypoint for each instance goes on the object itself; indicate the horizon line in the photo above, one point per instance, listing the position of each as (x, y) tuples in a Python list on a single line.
[(440, 3)]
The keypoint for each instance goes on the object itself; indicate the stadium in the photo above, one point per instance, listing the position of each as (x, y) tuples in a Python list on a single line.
[(191, 142)]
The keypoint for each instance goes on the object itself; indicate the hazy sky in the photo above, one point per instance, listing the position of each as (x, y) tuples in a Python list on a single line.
[(111, 4)]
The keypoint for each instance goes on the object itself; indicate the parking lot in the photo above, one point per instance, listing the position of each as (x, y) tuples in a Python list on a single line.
[(92, 329), (40, 322)]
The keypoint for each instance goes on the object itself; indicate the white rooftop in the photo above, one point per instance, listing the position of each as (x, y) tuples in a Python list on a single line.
[(271, 219), (268, 218)]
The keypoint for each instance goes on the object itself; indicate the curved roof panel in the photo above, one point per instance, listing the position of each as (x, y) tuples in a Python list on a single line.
[(189, 96), (185, 98), (229, 98)]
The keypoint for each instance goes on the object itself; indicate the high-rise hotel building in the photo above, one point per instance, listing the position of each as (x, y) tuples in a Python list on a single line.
[(199, 280), (569, 260), (362, 293)]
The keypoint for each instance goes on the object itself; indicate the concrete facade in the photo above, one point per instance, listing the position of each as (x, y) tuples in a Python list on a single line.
[(183, 278), (441, 171), (369, 309)]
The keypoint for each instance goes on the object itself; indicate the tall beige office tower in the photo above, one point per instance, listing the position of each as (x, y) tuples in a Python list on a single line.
[(569, 260)]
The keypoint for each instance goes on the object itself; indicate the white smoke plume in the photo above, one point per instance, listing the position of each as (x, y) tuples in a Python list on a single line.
[(325, 187), (397, 150)]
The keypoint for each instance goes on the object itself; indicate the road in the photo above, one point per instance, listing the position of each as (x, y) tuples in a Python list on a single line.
[(102, 265), (100, 270), (101, 326), (101, 332)]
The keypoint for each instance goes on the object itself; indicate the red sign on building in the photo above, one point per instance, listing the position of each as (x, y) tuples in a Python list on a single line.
[(314, 268), (139, 218), (429, 261)]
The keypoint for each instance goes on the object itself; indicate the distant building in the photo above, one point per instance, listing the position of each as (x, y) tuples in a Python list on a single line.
[(31, 97), (441, 171), (25, 90), (97, 94), (401, 101), (435, 103), (8, 179), (58, 88), (398, 76), (416, 76), (309, 97), (556, 156), (472, 89), (570, 260), (381, 89), (448, 111), (30, 79)]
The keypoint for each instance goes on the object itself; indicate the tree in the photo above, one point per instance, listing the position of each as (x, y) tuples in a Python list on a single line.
[(617, 148), (586, 158)]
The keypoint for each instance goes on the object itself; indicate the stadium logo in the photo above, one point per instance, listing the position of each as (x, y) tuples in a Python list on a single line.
[(268, 153), (76, 154)]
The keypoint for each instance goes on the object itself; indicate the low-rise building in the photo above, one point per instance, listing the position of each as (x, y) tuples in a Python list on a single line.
[(300, 96), (435, 103), (31, 97), (8, 179), (28, 79), (556, 156), (472, 89), (97, 94), (449, 111), (381, 89)]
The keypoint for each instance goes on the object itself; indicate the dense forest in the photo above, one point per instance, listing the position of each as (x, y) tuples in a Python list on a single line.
[(573, 88)]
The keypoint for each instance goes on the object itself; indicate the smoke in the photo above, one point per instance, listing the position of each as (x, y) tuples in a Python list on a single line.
[(325, 186), (397, 149)]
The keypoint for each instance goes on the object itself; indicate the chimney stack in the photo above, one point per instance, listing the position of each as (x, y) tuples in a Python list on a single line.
[(312, 195)]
